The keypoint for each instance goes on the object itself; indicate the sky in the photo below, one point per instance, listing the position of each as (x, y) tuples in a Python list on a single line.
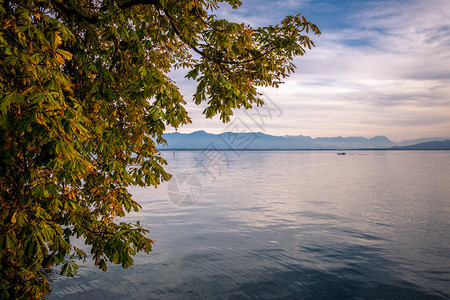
[(379, 68)]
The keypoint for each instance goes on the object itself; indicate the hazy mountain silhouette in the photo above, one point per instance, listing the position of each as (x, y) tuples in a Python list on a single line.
[(355, 142), (231, 140), (434, 145), (251, 140), (418, 141)]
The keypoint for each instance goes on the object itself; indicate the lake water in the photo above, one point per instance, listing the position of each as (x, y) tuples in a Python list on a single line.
[(288, 224)]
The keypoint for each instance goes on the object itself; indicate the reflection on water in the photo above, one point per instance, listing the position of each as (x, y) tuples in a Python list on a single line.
[(291, 224)]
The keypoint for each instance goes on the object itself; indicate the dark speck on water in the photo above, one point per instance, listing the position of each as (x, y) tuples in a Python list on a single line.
[(288, 225)]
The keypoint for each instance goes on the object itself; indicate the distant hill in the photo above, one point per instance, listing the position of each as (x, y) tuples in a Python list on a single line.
[(355, 142), (418, 141), (231, 140), (434, 145)]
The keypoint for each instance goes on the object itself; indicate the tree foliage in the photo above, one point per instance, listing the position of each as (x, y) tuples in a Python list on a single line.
[(85, 93)]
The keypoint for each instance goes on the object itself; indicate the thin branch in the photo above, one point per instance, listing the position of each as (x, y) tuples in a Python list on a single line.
[(157, 35), (113, 63), (203, 21)]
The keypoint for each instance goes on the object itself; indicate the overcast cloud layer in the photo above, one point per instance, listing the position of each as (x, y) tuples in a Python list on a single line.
[(379, 68)]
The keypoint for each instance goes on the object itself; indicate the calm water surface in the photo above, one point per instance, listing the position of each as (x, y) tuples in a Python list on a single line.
[(288, 224)]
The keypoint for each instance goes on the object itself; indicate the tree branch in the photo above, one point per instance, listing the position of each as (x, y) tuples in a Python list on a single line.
[(138, 2), (69, 11)]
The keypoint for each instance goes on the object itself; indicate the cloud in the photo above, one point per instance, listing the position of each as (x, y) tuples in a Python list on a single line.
[(379, 68), (401, 69)]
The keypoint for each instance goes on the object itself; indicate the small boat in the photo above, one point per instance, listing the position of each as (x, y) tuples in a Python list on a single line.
[(341, 153)]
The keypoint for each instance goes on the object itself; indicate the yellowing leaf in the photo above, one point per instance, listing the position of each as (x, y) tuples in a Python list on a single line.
[(57, 40), (13, 218), (66, 54)]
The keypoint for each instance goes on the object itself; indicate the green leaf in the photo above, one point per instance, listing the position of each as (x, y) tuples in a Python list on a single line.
[(6, 102)]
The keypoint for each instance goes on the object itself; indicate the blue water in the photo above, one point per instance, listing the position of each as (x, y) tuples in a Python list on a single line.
[(288, 224)]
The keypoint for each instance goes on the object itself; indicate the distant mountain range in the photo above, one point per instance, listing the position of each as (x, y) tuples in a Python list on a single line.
[(434, 145), (258, 141)]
